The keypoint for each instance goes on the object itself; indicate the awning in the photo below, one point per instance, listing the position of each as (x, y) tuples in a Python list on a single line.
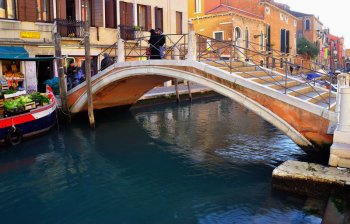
[(13, 53), (19, 53)]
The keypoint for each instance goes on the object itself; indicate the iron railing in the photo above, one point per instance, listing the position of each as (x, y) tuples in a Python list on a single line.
[(224, 54), (70, 28)]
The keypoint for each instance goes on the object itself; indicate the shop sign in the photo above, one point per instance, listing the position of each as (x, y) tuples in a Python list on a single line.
[(30, 35)]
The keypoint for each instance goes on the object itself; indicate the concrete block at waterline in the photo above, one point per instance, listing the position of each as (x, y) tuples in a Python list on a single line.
[(340, 155), (341, 137), (309, 179)]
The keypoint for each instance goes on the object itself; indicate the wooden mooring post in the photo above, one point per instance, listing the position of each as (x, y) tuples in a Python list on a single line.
[(177, 90), (189, 90), (61, 75), (88, 66)]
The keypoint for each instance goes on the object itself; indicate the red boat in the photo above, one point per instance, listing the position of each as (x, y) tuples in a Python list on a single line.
[(37, 121)]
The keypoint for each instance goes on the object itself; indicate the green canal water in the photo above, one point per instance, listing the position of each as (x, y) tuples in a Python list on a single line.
[(206, 162)]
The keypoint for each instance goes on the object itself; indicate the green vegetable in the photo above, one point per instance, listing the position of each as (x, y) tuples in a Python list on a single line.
[(13, 106), (39, 98)]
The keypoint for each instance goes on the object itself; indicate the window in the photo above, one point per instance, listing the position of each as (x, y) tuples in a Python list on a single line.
[(267, 10), (158, 18), (246, 38), (144, 17), (238, 34), (126, 13), (43, 10), (285, 41), (8, 9), (110, 13), (179, 22), (268, 38), (307, 24), (198, 6), (219, 35), (261, 40)]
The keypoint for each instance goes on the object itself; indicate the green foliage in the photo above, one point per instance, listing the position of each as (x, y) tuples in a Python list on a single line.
[(305, 47), (39, 98), (14, 106)]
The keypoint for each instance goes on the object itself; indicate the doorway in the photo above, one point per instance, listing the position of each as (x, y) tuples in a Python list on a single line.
[(70, 9)]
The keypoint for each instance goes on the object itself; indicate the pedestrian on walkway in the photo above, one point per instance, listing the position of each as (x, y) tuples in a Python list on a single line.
[(154, 45), (106, 61), (161, 42)]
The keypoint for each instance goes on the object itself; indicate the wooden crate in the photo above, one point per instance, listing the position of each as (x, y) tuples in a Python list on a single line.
[(29, 106), (1, 107)]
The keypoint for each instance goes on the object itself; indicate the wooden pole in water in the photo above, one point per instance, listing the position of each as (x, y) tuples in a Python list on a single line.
[(88, 65), (189, 90), (177, 90), (60, 72)]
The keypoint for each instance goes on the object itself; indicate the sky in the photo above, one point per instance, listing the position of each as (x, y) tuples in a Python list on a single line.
[(333, 14)]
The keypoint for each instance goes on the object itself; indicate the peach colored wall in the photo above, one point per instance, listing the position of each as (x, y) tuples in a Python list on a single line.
[(279, 19)]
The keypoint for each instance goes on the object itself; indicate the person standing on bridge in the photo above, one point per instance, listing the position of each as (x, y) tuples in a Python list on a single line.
[(155, 43), (106, 61)]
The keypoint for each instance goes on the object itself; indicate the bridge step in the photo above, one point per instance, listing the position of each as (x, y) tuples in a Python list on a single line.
[(225, 63), (281, 87), (252, 74), (323, 97), (301, 91), (268, 79)]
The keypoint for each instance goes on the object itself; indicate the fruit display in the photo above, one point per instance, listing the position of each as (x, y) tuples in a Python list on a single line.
[(22, 103), (13, 75)]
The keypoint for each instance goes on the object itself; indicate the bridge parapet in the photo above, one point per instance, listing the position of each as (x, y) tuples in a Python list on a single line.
[(340, 150)]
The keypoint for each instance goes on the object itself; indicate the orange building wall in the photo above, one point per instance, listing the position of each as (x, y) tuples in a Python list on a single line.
[(208, 25), (289, 23)]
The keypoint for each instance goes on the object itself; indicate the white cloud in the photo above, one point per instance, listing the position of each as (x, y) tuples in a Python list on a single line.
[(334, 14)]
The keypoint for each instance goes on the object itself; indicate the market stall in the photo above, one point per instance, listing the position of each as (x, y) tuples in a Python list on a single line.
[(23, 111)]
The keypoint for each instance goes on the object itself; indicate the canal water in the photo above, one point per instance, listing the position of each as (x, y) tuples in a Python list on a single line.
[(206, 162)]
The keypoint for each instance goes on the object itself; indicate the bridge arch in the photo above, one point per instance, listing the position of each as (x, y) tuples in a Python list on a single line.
[(122, 71)]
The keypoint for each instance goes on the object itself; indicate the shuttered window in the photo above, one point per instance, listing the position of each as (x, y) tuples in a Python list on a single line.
[(126, 14), (110, 13), (285, 41), (268, 38), (158, 18), (144, 17), (27, 10), (179, 22), (8, 9), (43, 8)]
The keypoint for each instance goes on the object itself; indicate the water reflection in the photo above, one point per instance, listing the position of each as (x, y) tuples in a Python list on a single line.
[(209, 162)]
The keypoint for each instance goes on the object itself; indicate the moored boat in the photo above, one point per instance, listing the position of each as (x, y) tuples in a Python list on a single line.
[(15, 128)]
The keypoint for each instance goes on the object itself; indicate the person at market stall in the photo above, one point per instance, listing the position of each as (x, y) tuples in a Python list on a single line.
[(71, 71), (106, 61)]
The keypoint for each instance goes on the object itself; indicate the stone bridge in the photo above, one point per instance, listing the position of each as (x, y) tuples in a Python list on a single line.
[(305, 112)]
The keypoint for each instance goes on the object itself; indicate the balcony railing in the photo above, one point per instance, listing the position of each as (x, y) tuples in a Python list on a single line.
[(70, 28), (129, 32)]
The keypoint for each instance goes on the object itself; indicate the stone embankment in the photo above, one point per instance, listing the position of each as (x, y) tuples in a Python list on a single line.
[(310, 179)]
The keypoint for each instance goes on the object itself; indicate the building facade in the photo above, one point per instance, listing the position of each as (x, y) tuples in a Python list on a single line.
[(255, 24), (30, 24), (337, 52)]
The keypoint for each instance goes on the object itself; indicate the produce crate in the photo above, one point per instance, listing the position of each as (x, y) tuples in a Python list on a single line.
[(1, 107), (29, 106)]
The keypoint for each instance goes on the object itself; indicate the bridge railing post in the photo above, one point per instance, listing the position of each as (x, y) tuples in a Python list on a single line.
[(120, 48), (192, 43), (340, 150), (176, 53)]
